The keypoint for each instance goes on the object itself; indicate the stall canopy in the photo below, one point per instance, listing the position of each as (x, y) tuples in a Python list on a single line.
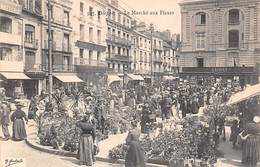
[(68, 77), (135, 77), (249, 92), (14, 75), (113, 78)]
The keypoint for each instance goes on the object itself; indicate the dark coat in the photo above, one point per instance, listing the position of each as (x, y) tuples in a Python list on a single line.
[(5, 116), (135, 155)]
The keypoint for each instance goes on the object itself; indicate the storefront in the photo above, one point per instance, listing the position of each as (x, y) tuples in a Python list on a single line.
[(13, 83), (245, 75)]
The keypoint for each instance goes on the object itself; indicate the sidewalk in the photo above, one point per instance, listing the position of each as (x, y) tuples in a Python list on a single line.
[(232, 158)]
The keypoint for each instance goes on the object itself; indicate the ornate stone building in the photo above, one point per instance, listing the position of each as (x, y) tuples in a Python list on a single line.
[(221, 34)]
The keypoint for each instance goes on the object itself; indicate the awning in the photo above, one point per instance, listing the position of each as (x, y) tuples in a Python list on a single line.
[(67, 77), (113, 78), (249, 92), (14, 75), (135, 77)]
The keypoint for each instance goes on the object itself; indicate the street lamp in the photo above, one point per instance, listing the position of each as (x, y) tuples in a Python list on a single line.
[(50, 50), (152, 29)]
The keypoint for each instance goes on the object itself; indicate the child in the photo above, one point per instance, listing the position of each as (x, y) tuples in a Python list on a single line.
[(234, 133)]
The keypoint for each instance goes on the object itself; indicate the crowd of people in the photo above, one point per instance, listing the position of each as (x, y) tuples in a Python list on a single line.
[(167, 100)]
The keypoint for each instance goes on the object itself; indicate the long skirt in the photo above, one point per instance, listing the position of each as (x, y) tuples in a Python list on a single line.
[(19, 132), (86, 150), (251, 151)]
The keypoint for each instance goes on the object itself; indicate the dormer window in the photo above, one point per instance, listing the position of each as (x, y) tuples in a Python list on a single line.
[(201, 18)]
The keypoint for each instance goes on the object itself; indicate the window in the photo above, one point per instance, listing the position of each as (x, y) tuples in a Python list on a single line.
[(81, 8), (90, 53), (99, 36), (29, 5), (91, 14), (5, 25), (98, 57), (29, 60), (119, 33), (5, 54), (123, 20), (81, 53), (118, 67), (81, 31), (29, 33), (119, 50), (127, 36), (114, 15), (66, 42), (201, 18), (113, 32), (200, 62), (124, 35), (90, 34), (233, 39), (233, 60), (119, 18), (200, 41), (66, 62), (233, 16), (99, 16), (66, 18), (109, 13), (109, 30)]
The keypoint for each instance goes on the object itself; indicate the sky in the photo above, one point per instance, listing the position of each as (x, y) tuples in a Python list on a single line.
[(164, 14)]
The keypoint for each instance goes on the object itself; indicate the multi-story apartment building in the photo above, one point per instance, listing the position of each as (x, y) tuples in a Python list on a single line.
[(220, 34), (89, 29), (118, 38), (11, 47), (141, 54), (31, 16), (61, 37)]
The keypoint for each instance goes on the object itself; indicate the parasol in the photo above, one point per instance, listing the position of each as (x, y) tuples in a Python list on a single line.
[(249, 92)]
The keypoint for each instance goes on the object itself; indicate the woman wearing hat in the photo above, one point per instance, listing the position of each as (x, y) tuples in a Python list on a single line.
[(18, 117), (86, 143), (251, 143)]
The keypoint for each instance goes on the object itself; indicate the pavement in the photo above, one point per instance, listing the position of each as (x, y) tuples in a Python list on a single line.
[(34, 158), (232, 157)]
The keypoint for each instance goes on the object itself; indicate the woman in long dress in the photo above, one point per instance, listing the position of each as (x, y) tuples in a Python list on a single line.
[(135, 156), (86, 143), (18, 117), (251, 143)]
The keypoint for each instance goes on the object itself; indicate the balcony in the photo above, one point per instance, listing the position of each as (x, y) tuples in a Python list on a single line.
[(118, 57), (9, 38), (87, 62), (46, 45), (119, 40), (32, 44), (157, 47), (59, 68)]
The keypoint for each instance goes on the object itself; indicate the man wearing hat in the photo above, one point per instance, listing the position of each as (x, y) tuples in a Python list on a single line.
[(5, 112)]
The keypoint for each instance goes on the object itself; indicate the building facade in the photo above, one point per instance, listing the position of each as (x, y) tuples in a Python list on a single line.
[(32, 26), (89, 39), (220, 34), (141, 54), (11, 47), (61, 39), (118, 38)]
